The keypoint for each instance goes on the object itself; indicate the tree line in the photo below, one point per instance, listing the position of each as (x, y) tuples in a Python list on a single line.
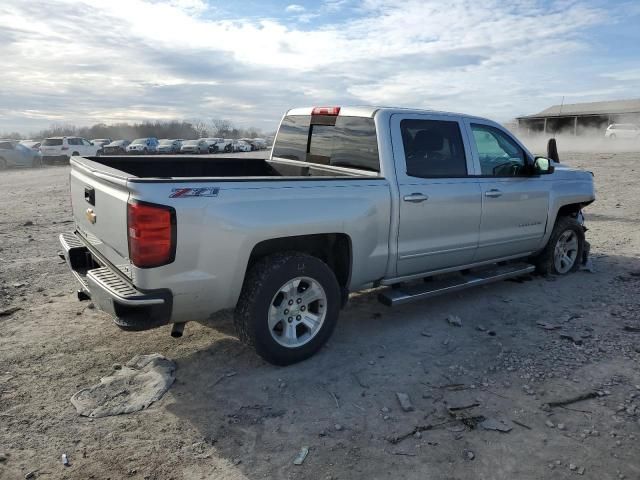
[(158, 129)]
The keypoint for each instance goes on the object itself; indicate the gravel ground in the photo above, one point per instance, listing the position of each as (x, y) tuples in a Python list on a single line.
[(230, 415)]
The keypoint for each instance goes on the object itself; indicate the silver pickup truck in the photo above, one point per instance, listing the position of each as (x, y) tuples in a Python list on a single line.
[(351, 198)]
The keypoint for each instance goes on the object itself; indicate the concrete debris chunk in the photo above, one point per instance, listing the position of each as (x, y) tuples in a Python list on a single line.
[(548, 326), (496, 425), (405, 402), (9, 311), (302, 454), (454, 321), (142, 381)]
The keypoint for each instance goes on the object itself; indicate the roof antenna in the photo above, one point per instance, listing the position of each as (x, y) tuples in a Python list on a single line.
[(552, 146)]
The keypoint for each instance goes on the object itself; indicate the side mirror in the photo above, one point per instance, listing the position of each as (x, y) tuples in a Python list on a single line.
[(543, 166), (552, 150)]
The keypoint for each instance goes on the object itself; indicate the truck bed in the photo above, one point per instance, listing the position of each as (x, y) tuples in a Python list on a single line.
[(184, 166)]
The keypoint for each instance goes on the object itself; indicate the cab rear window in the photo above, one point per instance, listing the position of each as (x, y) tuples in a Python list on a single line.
[(351, 142)]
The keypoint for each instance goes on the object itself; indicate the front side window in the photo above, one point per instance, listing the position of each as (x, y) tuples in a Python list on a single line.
[(433, 148), (499, 155)]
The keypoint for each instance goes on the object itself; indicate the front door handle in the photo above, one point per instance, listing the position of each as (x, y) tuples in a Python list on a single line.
[(415, 198), (493, 193)]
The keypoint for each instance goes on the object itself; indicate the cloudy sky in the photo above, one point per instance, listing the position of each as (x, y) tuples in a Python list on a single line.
[(89, 61)]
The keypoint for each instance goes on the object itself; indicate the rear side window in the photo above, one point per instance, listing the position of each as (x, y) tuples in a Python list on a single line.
[(6, 146), (52, 142), (338, 141), (433, 148)]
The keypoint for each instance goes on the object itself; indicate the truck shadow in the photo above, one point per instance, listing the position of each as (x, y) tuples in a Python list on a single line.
[(342, 402)]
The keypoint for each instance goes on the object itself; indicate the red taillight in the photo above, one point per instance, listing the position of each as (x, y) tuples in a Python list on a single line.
[(152, 234), (325, 111)]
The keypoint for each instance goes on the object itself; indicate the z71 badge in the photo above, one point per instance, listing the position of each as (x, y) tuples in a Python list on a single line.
[(194, 192)]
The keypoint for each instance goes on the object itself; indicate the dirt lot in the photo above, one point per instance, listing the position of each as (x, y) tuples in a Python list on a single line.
[(342, 403)]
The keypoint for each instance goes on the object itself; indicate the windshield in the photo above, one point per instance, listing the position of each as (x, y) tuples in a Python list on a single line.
[(191, 142), (166, 142), (139, 141)]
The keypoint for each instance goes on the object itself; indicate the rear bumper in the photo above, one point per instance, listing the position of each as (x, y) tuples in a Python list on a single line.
[(112, 292)]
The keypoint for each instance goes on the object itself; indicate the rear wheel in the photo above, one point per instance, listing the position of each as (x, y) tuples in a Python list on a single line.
[(37, 162), (288, 307), (563, 253)]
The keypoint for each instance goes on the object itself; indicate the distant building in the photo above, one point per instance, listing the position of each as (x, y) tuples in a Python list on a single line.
[(577, 118)]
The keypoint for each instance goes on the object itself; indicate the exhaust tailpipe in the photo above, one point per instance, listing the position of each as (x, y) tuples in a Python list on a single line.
[(177, 329)]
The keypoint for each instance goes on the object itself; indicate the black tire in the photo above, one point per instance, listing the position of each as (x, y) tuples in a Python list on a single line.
[(261, 285), (37, 162), (544, 261), (145, 151), (75, 154)]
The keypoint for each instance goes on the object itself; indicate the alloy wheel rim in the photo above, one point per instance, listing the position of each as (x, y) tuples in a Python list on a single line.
[(566, 251), (297, 312)]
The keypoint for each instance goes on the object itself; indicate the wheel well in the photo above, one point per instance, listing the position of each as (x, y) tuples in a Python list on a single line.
[(332, 248), (571, 210)]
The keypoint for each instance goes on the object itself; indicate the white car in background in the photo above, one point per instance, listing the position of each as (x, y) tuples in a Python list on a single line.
[(194, 146), (622, 130), (60, 149), (212, 143), (224, 145), (242, 146)]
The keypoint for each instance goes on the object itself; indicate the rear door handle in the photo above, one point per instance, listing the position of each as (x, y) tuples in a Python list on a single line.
[(415, 198), (493, 193)]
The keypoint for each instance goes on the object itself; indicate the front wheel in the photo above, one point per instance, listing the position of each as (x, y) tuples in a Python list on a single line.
[(288, 307), (563, 252)]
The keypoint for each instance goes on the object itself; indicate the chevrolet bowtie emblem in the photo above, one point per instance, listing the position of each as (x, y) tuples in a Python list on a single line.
[(91, 216)]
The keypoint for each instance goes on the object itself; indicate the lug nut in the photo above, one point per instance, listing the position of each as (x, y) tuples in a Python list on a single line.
[(290, 302), (286, 311), (303, 308), (298, 317), (299, 300), (290, 319)]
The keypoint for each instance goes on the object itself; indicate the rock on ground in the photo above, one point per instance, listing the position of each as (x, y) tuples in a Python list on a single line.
[(142, 381)]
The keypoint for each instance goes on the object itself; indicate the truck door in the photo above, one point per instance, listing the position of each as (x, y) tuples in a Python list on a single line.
[(440, 201), (515, 203)]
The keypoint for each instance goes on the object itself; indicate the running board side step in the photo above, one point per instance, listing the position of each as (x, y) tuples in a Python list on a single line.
[(412, 293)]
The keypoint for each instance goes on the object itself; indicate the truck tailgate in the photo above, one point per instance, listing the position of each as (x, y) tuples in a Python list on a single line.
[(100, 212)]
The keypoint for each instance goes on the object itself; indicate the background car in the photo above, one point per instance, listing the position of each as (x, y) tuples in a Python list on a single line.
[(622, 130), (194, 146), (224, 145), (259, 143), (212, 143), (117, 147), (242, 146), (32, 144), (169, 146), (101, 142), (14, 154), (59, 149), (143, 146)]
